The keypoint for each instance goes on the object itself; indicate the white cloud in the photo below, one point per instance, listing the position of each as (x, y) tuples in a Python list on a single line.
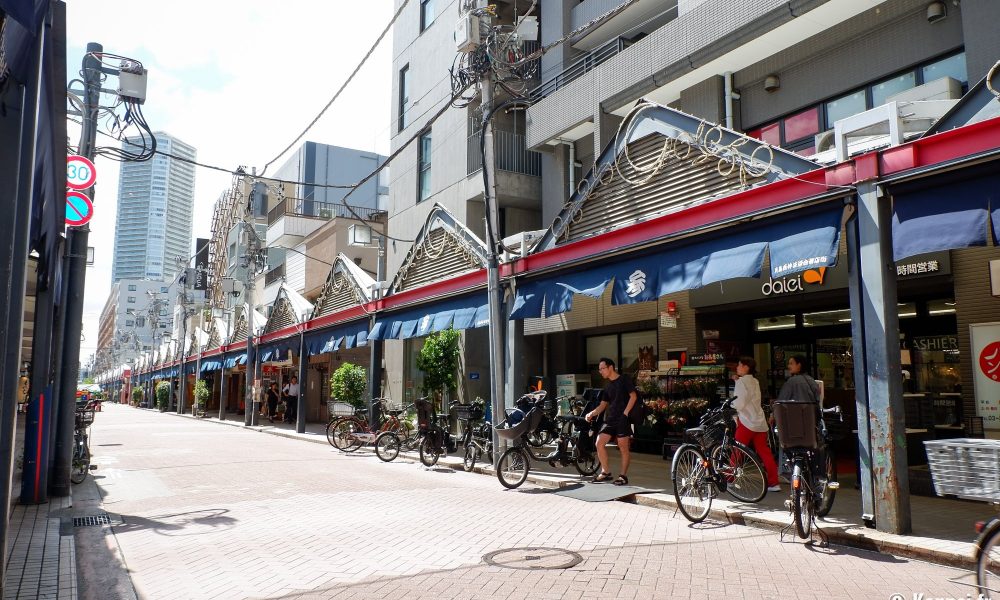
[(238, 81)]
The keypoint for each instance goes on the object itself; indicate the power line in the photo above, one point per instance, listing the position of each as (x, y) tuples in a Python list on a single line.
[(342, 87)]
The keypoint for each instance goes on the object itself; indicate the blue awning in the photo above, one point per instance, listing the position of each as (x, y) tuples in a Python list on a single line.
[(278, 350), (951, 214), (333, 338), (463, 312), (232, 360), (210, 364), (796, 242)]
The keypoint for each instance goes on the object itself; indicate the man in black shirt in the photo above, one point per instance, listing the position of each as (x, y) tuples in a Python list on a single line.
[(617, 401)]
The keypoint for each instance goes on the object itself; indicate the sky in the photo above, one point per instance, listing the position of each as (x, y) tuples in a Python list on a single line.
[(238, 81)]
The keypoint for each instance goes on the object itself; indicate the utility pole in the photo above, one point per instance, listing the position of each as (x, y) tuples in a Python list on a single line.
[(75, 259), (252, 403), (494, 291), (375, 346)]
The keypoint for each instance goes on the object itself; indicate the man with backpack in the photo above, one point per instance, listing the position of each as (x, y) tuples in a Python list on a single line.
[(617, 403)]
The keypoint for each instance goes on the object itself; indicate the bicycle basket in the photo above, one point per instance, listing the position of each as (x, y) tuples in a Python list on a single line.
[(796, 422), (84, 418), (339, 409), (965, 467), (468, 412)]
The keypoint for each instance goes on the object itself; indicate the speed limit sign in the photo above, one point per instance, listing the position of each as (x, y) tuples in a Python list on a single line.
[(80, 172)]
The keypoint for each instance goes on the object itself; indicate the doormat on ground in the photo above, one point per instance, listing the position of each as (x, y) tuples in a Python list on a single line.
[(601, 492)]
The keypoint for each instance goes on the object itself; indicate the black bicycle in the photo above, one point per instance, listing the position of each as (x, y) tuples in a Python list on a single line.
[(435, 435), (477, 433), (808, 455), (574, 447), (712, 461), (81, 443)]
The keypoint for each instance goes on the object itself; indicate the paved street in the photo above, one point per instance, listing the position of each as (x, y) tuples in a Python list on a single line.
[(212, 511)]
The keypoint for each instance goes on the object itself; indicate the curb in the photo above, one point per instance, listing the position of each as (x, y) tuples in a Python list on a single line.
[(853, 537)]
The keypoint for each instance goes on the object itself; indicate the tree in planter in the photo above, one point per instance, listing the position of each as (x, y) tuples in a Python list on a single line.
[(348, 384), (163, 395), (201, 395), (438, 359), (137, 396)]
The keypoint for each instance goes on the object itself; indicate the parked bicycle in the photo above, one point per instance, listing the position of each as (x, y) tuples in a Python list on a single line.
[(81, 443), (808, 455), (347, 433), (714, 462), (477, 433), (575, 442)]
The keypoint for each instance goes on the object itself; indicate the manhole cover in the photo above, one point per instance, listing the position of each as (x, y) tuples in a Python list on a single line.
[(531, 559), (92, 520)]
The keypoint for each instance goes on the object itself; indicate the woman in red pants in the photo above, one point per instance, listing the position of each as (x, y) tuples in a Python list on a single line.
[(751, 426)]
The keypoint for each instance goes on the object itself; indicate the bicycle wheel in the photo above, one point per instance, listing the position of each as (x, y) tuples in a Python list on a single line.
[(988, 563), (802, 508), (692, 488), (824, 491), (586, 463), (387, 446), (742, 470), (343, 435), (330, 432), (81, 464), (429, 450), (512, 468), (471, 457)]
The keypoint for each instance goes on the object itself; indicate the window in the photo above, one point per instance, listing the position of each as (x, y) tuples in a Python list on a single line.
[(804, 124), (131, 299), (845, 106), (129, 323), (424, 167), (163, 289), (140, 321), (426, 13), (404, 95), (953, 66), (882, 90), (131, 287)]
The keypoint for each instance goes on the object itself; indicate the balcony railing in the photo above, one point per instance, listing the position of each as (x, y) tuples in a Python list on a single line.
[(312, 209), (274, 274), (580, 67), (511, 154)]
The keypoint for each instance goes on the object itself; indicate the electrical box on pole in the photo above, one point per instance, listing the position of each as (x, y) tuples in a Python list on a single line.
[(467, 36)]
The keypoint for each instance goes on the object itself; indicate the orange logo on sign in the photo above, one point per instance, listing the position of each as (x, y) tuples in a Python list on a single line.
[(814, 275)]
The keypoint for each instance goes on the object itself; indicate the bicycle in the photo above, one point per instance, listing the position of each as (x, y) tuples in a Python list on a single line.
[(81, 444), (805, 442), (571, 449), (714, 462), (348, 433), (477, 440)]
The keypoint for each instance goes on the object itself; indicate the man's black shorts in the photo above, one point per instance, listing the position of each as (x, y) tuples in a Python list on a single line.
[(617, 429)]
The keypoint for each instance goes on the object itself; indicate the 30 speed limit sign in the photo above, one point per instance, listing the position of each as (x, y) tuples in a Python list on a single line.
[(80, 172)]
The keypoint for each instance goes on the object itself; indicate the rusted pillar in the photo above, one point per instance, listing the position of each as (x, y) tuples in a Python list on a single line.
[(877, 371)]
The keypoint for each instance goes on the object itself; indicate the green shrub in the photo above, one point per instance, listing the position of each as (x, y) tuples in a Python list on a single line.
[(137, 395), (201, 393), (348, 384), (163, 395), (438, 359)]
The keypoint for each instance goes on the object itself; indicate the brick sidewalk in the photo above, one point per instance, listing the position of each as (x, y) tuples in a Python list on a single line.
[(41, 562), (210, 512)]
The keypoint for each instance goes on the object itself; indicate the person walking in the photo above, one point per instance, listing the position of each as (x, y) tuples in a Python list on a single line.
[(799, 386), (617, 401), (272, 401), (291, 393), (751, 425)]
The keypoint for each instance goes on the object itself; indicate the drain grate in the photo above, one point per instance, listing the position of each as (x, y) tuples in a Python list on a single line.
[(531, 559), (92, 520)]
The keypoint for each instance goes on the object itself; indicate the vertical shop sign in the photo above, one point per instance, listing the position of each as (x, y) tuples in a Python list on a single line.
[(986, 372)]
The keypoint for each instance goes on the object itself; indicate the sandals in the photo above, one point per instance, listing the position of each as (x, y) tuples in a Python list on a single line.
[(601, 478), (620, 480)]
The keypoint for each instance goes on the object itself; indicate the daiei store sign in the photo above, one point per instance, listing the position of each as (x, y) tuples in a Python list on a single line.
[(815, 279)]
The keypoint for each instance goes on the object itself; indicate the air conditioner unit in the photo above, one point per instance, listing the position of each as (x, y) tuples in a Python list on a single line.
[(825, 141)]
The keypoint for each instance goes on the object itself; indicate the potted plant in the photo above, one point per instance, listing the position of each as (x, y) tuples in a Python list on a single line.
[(438, 359), (163, 395), (201, 395), (348, 383), (137, 395)]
